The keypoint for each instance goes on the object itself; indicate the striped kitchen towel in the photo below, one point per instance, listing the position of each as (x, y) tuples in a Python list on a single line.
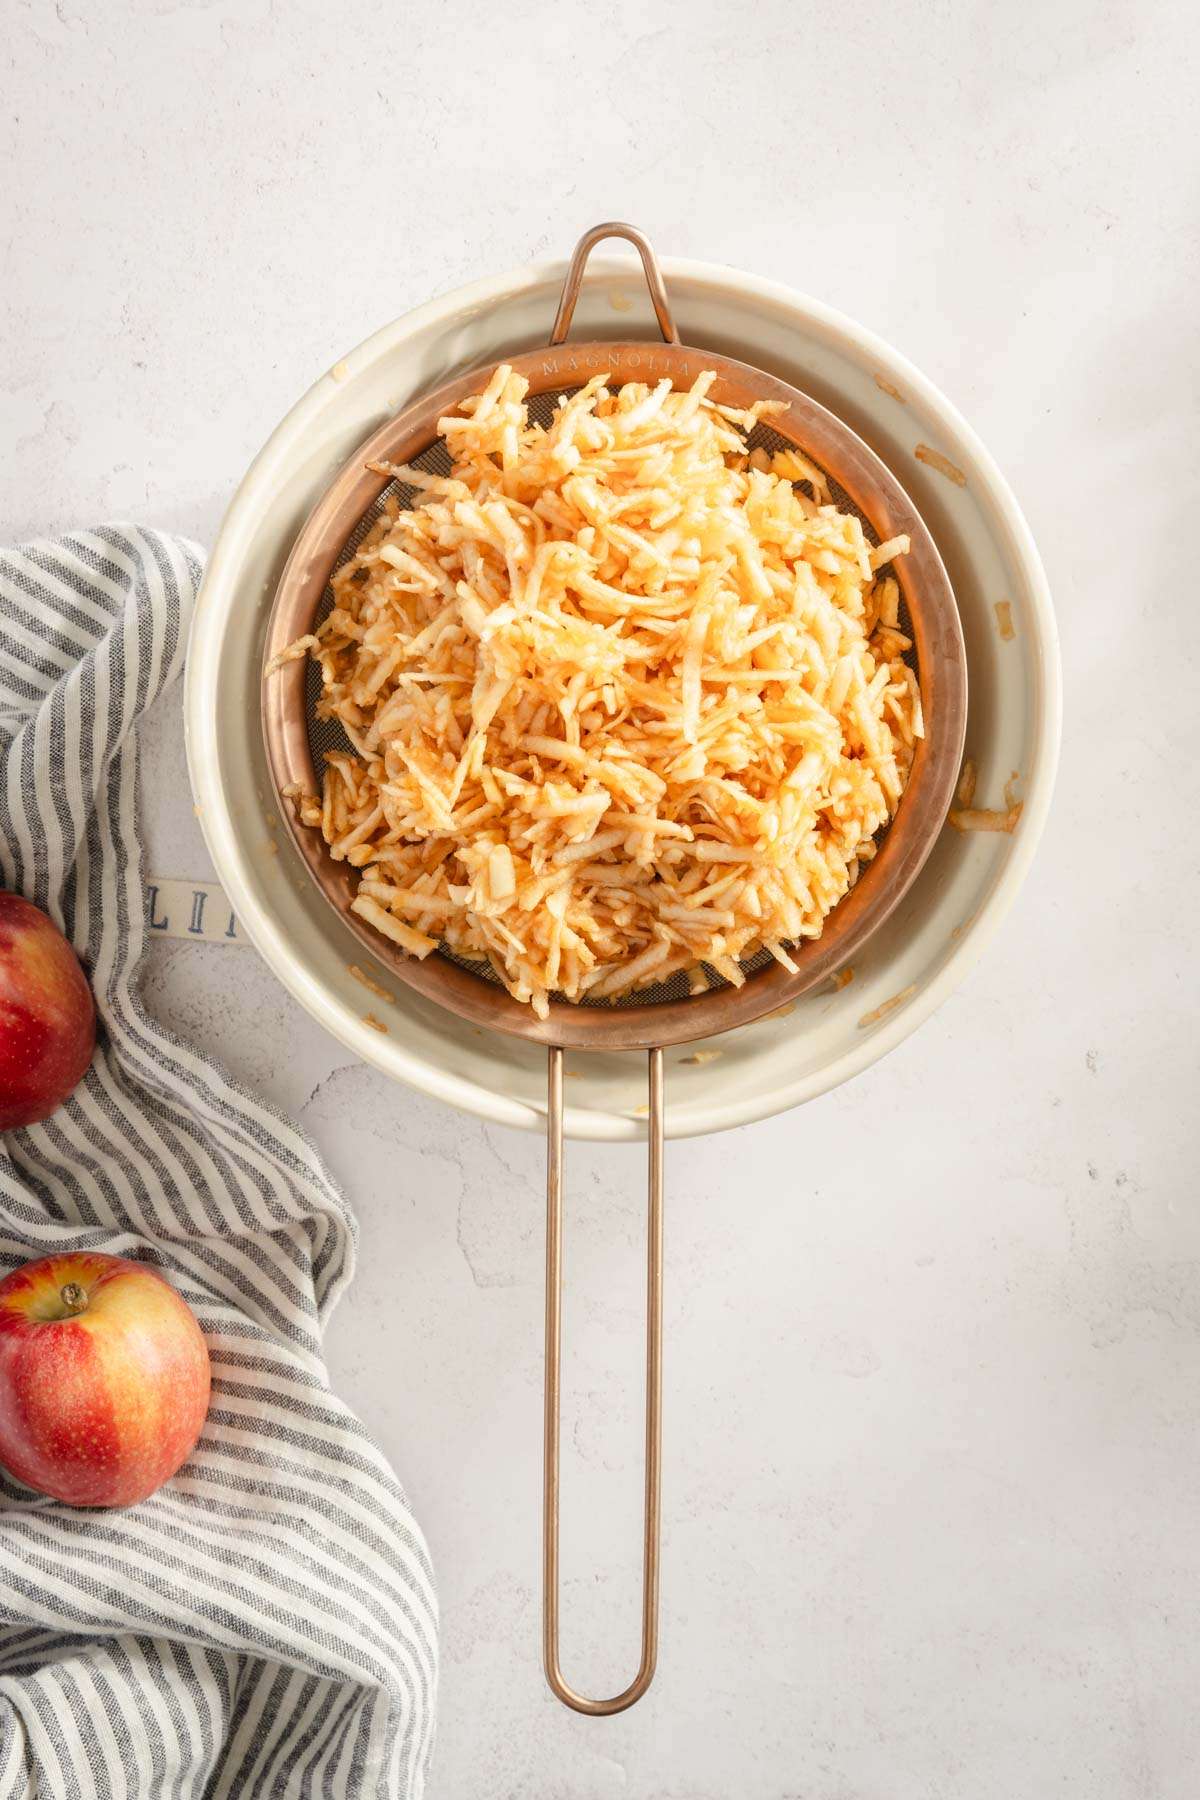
[(265, 1624)]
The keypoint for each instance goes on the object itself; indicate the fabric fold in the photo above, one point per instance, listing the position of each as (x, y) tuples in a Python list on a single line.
[(266, 1623)]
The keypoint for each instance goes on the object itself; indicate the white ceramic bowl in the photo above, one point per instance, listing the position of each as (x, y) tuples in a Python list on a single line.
[(968, 884)]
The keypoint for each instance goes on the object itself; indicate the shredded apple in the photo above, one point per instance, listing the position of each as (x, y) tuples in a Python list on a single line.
[(625, 700)]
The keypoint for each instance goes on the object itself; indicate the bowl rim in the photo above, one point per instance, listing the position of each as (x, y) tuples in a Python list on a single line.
[(390, 1055)]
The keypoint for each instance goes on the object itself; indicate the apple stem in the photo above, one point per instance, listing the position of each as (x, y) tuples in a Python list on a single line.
[(73, 1297)]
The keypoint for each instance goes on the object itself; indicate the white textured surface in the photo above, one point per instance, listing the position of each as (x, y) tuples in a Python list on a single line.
[(932, 1455)]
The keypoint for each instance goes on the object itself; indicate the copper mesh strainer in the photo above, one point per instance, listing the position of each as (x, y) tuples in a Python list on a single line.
[(665, 1014)]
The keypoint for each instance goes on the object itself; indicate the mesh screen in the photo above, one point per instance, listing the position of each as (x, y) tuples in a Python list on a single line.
[(326, 735)]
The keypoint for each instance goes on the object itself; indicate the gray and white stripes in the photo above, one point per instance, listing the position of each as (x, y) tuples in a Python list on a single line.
[(266, 1623)]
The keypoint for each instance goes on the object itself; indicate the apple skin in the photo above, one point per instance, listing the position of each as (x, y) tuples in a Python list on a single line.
[(99, 1407), (47, 1015)]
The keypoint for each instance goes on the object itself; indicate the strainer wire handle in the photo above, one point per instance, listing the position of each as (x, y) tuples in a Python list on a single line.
[(650, 1524), (654, 280)]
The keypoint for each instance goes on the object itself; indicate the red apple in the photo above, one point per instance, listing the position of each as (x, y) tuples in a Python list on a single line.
[(104, 1378), (47, 1017)]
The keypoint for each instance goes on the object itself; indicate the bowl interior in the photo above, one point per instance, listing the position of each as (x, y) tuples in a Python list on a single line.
[(666, 1013)]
